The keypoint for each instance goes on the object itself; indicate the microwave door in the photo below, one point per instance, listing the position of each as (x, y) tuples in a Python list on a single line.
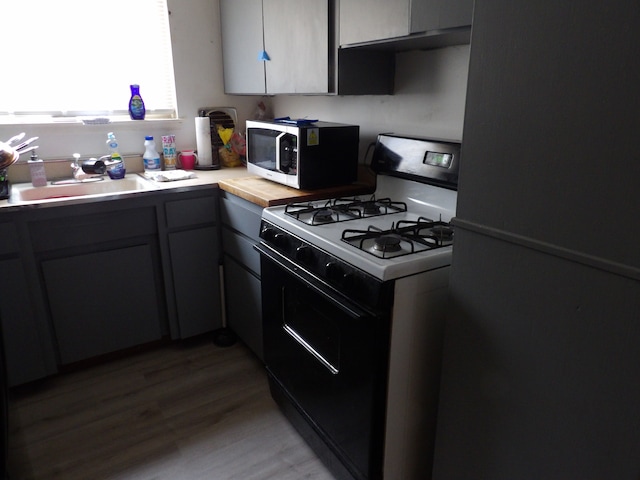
[(279, 152)]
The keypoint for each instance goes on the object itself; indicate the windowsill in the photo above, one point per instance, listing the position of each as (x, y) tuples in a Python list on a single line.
[(86, 122)]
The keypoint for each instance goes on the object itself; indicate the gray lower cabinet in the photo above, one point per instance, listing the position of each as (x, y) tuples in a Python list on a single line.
[(83, 280), (102, 302), (240, 231), (99, 276), (196, 280), (195, 258), (23, 343)]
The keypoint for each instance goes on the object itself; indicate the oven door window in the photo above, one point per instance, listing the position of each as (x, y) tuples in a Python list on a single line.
[(328, 357)]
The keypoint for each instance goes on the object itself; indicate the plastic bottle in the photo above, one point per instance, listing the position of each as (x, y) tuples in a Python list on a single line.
[(151, 157), (115, 167), (36, 169), (136, 104)]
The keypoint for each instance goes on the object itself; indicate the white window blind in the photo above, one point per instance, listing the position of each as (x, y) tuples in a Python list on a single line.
[(79, 57)]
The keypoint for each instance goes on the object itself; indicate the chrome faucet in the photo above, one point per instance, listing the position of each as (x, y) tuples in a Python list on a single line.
[(78, 173)]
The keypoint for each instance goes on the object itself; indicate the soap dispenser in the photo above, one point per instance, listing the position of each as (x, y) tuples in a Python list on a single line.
[(37, 171)]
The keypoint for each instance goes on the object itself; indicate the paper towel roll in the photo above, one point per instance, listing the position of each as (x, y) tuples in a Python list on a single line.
[(203, 141)]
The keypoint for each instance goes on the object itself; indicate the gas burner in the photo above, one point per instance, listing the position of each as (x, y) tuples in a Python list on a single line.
[(443, 232), (371, 208), (322, 215), (349, 210), (424, 229), (388, 243)]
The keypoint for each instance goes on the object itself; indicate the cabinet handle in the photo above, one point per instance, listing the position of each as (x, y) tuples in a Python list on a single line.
[(263, 56)]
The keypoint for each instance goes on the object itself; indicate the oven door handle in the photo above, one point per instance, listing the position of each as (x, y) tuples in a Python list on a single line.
[(313, 282), (307, 346)]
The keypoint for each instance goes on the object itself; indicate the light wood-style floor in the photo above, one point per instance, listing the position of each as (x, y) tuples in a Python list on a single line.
[(178, 412)]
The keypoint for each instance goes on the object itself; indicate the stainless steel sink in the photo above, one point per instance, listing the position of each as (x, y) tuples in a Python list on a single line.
[(23, 193)]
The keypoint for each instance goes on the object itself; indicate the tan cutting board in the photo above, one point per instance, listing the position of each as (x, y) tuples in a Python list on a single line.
[(266, 193)]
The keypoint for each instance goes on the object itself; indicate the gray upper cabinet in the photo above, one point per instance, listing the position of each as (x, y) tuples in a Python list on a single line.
[(363, 21), (242, 41), (368, 20), (293, 33)]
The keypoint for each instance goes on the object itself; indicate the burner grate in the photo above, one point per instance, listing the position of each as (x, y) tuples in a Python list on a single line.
[(343, 209), (404, 238)]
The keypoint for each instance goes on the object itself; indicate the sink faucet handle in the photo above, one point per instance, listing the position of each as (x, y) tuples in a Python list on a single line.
[(78, 174)]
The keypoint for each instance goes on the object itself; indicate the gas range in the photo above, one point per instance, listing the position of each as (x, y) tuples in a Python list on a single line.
[(354, 293), (400, 230)]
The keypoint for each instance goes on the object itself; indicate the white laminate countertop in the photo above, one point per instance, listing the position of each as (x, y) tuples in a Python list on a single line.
[(202, 178)]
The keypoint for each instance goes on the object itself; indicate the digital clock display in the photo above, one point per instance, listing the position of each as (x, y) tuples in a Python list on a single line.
[(438, 159)]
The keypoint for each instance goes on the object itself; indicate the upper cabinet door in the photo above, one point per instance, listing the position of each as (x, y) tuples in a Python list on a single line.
[(428, 15), (296, 36), (369, 20), (364, 21), (242, 42)]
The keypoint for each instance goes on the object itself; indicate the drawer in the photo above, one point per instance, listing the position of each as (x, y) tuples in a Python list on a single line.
[(93, 229), (241, 216), (9, 242), (191, 211), (241, 249)]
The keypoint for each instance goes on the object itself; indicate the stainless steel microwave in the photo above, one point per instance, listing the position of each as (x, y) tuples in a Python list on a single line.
[(303, 155)]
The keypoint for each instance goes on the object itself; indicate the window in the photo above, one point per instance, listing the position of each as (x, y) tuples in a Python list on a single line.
[(79, 57)]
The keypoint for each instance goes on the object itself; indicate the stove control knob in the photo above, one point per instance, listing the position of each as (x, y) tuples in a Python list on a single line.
[(268, 233), (349, 281), (334, 271), (304, 253), (280, 240)]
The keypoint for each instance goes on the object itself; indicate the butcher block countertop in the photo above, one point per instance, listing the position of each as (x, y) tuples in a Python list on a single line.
[(266, 193)]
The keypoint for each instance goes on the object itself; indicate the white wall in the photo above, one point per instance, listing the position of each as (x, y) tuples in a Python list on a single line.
[(429, 98)]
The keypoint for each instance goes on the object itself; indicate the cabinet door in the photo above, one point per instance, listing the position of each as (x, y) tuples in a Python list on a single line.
[(428, 15), (296, 34), (196, 278), (242, 41), (244, 305), (23, 349), (369, 20), (103, 302)]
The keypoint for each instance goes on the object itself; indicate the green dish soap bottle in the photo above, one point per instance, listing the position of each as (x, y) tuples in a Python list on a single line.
[(136, 104)]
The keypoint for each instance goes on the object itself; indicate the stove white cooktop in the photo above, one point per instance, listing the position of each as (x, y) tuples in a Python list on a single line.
[(423, 201)]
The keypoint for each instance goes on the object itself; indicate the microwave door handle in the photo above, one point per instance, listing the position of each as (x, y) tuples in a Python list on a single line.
[(278, 138)]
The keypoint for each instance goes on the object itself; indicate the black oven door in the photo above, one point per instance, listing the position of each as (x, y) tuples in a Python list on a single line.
[(326, 358)]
